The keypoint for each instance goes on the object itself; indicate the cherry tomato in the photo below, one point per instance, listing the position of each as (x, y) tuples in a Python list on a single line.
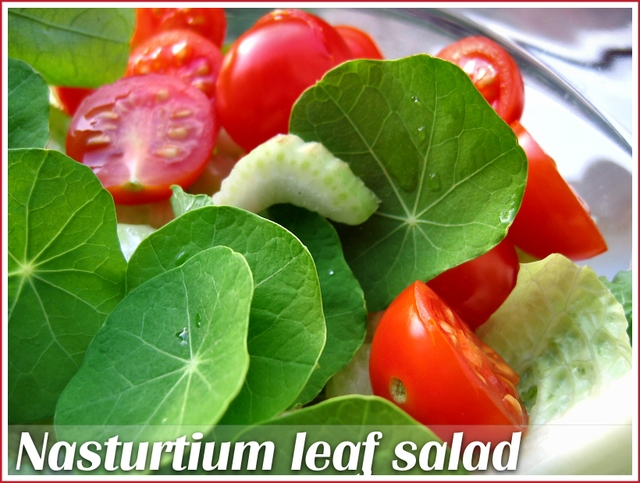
[(268, 67), (142, 134), (428, 362), (475, 289), (361, 44), (493, 71), (70, 97), (552, 217), (180, 53), (211, 23)]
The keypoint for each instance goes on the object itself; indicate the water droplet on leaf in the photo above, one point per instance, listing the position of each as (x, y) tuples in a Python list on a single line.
[(183, 335), (198, 321), (181, 258), (433, 181)]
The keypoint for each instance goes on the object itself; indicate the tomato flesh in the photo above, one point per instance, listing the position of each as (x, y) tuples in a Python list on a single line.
[(142, 134), (427, 361), (181, 53), (211, 23), (360, 43), (268, 67), (475, 289), (552, 217), (493, 71)]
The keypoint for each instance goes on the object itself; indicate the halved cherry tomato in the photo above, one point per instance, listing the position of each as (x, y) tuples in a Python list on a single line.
[(268, 67), (428, 362), (181, 53), (361, 44), (552, 218), (475, 289), (493, 71), (70, 97), (142, 134), (211, 23)]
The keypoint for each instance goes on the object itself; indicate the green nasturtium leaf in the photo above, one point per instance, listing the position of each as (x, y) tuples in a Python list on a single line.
[(342, 298), (78, 47), (66, 274), (343, 420), (287, 329), (28, 119), (448, 171), (173, 354), (563, 332)]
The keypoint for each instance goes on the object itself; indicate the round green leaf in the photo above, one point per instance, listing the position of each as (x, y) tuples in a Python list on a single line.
[(172, 354), (287, 329), (448, 171), (342, 298), (28, 120), (66, 274), (80, 47)]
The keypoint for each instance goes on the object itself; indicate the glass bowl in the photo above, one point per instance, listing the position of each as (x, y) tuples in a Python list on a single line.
[(570, 108)]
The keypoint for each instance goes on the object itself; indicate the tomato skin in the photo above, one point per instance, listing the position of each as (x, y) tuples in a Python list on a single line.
[(211, 23), (142, 134), (493, 71), (70, 97), (552, 218), (268, 67), (428, 362), (475, 289), (181, 53), (360, 43)]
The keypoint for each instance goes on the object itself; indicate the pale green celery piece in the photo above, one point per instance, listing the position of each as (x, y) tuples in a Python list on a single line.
[(564, 333), (285, 169), (130, 237)]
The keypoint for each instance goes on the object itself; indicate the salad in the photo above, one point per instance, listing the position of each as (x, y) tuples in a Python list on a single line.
[(290, 240)]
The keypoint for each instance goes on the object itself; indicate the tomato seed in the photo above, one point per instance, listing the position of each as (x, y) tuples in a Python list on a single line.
[(168, 152), (162, 95), (181, 113), (98, 140), (178, 132)]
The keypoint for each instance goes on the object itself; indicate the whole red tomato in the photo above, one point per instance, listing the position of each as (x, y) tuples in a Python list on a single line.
[(552, 218), (475, 289), (180, 53), (142, 134), (361, 44), (70, 97), (268, 67), (211, 23), (428, 362), (493, 71)]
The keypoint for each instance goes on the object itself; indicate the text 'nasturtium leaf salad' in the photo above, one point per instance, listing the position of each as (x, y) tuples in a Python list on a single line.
[(290, 240)]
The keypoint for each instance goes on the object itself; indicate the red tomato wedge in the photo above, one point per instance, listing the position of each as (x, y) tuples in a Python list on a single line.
[(142, 134), (360, 43), (475, 289), (428, 362), (181, 53), (552, 218), (211, 23), (268, 67), (493, 71)]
